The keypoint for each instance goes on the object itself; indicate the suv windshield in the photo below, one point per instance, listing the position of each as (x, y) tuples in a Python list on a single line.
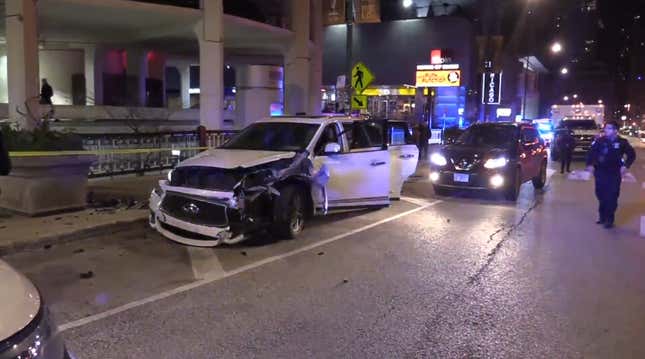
[(580, 124), (274, 136), (496, 136)]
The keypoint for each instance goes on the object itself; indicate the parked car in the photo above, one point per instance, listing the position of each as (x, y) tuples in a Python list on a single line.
[(275, 174), (491, 156), (26, 328), (404, 153)]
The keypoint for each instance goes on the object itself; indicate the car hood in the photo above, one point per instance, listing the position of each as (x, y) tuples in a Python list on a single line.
[(457, 152), (20, 301), (229, 159)]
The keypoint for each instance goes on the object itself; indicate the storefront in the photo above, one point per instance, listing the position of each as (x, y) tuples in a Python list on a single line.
[(393, 51)]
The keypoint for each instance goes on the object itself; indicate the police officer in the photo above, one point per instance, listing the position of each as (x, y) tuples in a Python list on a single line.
[(609, 158), (565, 143)]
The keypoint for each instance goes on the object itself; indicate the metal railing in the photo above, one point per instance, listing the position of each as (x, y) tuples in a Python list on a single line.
[(127, 153)]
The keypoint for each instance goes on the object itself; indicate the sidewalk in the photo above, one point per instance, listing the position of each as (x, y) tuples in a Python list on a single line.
[(114, 204)]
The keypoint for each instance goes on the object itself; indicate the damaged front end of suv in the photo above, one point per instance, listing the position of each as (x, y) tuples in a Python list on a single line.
[(204, 205)]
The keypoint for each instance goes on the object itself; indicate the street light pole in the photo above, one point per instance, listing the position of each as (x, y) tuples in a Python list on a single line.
[(349, 41)]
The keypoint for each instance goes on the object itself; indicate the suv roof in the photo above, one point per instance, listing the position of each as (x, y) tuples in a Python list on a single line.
[(502, 124)]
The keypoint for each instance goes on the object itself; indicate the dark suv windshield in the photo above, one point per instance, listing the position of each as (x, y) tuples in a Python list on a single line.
[(274, 136), (496, 136), (580, 124)]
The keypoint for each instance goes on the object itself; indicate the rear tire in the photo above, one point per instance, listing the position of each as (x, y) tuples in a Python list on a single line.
[(290, 213), (540, 180), (513, 191)]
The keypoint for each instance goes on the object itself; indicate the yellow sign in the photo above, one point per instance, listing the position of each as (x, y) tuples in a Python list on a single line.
[(438, 78), (361, 77), (359, 102)]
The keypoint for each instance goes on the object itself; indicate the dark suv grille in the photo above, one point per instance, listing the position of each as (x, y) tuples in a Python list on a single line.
[(195, 210)]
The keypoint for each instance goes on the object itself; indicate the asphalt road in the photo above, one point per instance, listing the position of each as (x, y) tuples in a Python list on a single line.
[(439, 277)]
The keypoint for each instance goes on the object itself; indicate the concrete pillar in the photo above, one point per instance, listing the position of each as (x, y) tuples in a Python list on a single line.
[(315, 97), (184, 72), (136, 73), (258, 86), (94, 60), (209, 32), (298, 61), (22, 59)]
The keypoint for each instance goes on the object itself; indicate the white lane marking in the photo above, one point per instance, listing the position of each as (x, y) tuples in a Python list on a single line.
[(204, 262), (415, 200), (223, 275)]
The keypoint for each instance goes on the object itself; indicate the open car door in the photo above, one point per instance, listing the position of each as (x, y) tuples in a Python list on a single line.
[(404, 155), (359, 173)]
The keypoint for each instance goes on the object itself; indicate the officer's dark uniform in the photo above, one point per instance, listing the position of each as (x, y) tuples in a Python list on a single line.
[(608, 157)]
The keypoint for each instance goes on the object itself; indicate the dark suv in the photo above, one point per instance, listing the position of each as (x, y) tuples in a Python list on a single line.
[(491, 156)]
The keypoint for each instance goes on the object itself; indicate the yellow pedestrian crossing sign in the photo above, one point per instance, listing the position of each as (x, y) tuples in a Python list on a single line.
[(361, 77), (359, 102)]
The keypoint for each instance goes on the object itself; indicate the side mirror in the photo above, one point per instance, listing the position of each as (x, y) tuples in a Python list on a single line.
[(332, 148)]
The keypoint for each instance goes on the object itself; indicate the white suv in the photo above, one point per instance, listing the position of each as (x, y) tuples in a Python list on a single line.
[(275, 174), (26, 329)]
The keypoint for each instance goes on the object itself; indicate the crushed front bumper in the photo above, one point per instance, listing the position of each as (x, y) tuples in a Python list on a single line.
[(182, 231)]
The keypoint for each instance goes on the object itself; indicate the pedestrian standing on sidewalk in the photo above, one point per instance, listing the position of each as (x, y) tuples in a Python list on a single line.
[(5, 162), (46, 93), (424, 136), (565, 144), (609, 159)]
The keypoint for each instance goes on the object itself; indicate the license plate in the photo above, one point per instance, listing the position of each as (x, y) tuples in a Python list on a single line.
[(461, 177)]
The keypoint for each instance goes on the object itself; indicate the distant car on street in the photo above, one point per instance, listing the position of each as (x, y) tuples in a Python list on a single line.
[(26, 328), (277, 173), (492, 157)]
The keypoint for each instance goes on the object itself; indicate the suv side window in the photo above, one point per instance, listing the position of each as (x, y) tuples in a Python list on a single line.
[(366, 134), (329, 134), (530, 135)]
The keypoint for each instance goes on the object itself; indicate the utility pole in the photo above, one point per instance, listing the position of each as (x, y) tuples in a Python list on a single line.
[(349, 41)]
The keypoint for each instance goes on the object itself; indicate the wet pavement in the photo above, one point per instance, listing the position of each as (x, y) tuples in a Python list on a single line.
[(439, 277)]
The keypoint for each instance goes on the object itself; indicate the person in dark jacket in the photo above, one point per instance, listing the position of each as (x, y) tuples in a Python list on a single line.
[(46, 93), (424, 136), (565, 144), (609, 158), (5, 162)]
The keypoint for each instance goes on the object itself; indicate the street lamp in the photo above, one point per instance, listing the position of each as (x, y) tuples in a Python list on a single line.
[(556, 48), (600, 102), (566, 98), (407, 3), (575, 95), (564, 71)]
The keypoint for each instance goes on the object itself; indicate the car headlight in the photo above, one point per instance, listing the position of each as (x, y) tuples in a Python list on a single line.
[(438, 159), (39, 339), (496, 162)]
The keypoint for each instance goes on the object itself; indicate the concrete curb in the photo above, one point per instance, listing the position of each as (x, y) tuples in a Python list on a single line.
[(85, 233)]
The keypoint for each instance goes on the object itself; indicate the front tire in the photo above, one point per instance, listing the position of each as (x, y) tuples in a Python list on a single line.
[(540, 180), (290, 213)]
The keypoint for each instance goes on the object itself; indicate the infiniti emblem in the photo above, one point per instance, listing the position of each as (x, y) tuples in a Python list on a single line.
[(190, 208)]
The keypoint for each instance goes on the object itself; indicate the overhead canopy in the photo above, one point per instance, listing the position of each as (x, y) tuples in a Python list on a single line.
[(169, 28)]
